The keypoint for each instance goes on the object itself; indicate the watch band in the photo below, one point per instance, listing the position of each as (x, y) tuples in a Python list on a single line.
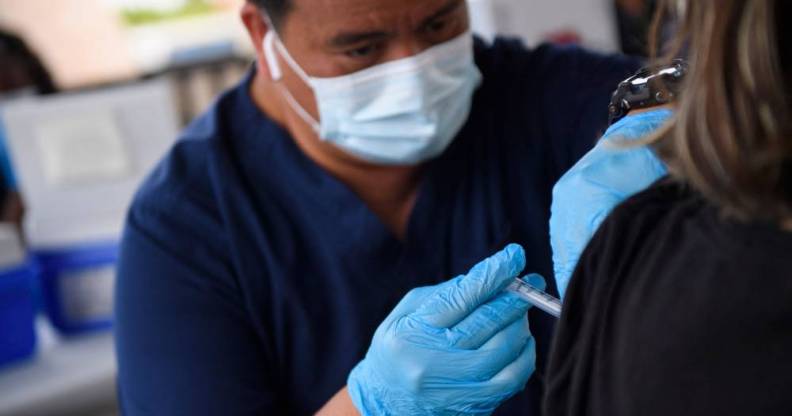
[(649, 87)]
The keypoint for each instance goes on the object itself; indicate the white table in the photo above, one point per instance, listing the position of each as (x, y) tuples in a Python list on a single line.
[(68, 376)]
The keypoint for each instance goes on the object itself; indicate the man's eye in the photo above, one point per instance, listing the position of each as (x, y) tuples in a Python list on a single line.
[(362, 52), (437, 26)]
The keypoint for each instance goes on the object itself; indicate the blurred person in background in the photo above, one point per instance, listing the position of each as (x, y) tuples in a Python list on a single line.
[(21, 73), (682, 303), (375, 147), (634, 19)]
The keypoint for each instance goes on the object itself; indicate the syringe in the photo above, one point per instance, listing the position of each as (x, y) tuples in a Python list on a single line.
[(536, 297)]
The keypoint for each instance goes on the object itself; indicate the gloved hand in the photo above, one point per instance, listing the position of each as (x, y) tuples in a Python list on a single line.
[(459, 348), (605, 177)]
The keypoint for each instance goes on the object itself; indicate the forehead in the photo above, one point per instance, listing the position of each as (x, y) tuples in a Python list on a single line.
[(332, 15)]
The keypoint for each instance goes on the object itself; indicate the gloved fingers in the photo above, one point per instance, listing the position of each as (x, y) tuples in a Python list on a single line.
[(607, 174), (536, 280), (455, 300), (486, 321), (409, 303), (513, 377), (563, 273), (587, 194), (489, 319), (475, 366), (502, 349), (638, 126), (414, 299)]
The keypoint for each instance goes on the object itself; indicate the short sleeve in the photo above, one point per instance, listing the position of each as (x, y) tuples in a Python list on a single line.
[(576, 97), (184, 340), (549, 100)]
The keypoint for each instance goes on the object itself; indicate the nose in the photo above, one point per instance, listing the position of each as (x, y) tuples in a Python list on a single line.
[(405, 47)]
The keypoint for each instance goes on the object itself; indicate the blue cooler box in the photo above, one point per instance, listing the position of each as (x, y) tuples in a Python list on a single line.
[(17, 315), (17, 301), (77, 286)]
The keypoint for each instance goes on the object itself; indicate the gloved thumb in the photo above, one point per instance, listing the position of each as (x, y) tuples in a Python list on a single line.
[(454, 301), (536, 280)]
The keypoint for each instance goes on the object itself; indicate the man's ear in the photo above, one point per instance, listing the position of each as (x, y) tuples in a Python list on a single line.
[(257, 28)]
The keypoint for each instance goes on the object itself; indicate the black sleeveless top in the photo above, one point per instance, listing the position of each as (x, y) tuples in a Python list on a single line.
[(674, 310)]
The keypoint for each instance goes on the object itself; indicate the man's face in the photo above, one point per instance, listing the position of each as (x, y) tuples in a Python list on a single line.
[(337, 37), (330, 38)]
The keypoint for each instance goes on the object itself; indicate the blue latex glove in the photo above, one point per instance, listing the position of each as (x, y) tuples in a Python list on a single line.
[(459, 348), (605, 177)]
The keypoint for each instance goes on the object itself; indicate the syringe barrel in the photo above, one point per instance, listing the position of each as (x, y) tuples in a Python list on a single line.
[(536, 297)]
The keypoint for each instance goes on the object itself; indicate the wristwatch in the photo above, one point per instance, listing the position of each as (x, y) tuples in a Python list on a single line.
[(649, 87)]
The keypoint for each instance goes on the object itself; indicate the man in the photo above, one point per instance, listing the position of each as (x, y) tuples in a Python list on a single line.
[(365, 155)]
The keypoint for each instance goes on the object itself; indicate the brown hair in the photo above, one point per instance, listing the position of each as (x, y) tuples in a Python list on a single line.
[(731, 138)]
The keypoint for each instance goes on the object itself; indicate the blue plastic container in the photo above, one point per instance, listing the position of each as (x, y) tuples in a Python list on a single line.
[(17, 314), (77, 286), (6, 172)]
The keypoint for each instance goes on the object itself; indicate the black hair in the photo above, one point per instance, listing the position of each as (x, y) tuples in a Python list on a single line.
[(15, 52), (276, 9)]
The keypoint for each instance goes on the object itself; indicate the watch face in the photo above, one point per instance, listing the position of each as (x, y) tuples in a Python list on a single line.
[(649, 87)]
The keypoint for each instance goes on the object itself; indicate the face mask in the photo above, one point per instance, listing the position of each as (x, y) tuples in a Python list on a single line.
[(398, 113)]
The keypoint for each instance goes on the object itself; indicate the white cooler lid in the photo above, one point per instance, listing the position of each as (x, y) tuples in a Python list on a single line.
[(80, 157)]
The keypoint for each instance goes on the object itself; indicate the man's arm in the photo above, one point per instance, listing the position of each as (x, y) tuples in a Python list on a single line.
[(185, 345), (340, 405), (577, 99), (462, 347)]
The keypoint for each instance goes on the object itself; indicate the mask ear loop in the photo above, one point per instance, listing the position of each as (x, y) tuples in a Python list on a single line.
[(269, 56), (284, 53), (272, 41), (277, 74)]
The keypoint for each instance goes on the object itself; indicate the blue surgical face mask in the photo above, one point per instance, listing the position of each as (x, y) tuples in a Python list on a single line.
[(401, 112)]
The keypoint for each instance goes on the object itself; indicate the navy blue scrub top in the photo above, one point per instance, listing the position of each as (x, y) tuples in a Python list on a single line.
[(251, 281)]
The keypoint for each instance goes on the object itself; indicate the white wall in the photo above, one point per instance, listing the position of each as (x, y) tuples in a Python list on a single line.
[(80, 41), (533, 20), (482, 13)]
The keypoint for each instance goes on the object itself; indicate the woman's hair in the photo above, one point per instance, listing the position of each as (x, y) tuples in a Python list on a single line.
[(731, 138)]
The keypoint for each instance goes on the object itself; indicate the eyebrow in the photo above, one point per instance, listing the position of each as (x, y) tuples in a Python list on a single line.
[(444, 11), (354, 38), (346, 39)]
